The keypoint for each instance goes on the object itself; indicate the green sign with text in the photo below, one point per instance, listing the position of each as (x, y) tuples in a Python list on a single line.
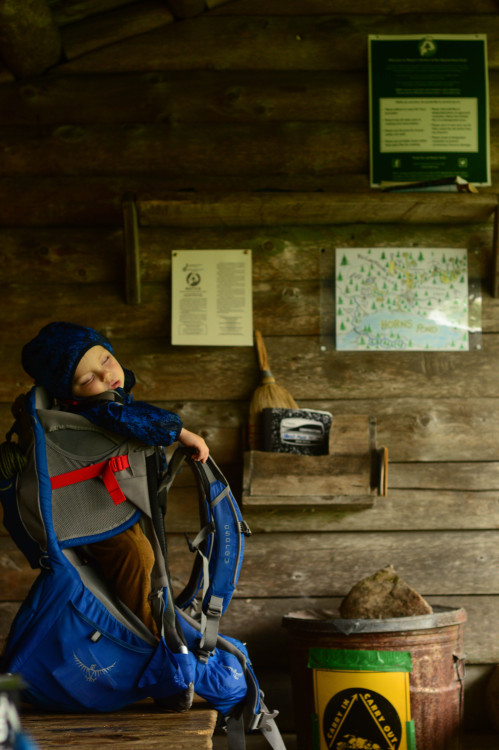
[(429, 108)]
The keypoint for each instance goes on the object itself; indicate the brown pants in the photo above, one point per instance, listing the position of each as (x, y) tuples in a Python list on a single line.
[(127, 560)]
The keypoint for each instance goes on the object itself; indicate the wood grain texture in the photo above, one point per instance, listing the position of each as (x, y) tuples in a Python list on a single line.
[(321, 7), (328, 564), (316, 208), (173, 373), (93, 200), (198, 96), (295, 42), (262, 145), (140, 726), (107, 28)]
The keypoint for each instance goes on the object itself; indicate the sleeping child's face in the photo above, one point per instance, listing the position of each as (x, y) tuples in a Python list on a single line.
[(97, 371)]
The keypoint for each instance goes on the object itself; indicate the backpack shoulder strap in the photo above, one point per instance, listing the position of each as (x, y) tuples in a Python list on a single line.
[(219, 546)]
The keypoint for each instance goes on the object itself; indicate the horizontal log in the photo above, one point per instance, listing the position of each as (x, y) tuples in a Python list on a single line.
[(275, 148), (404, 510), (61, 201), (316, 208), (294, 307), (205, 149), (104, 29), (325, 7), (196, 96), (372, 375), (279, 254), (186, 8), (275, 42), (430, 429), (475, 476), (62, 255), (64, 12), (329, 564), (401, 510), (173, 373), (96, 201), (435, 563), (414, 430)]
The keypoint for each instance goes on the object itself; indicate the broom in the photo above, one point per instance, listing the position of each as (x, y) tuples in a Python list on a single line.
[(268, 394)]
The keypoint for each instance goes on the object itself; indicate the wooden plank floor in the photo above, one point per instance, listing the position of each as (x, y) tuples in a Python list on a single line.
[(139, 727)]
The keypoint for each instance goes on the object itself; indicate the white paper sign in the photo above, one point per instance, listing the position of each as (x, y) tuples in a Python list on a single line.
[(212, 298)]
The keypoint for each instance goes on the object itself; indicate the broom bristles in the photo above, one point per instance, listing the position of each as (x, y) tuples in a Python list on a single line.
[(267, 395), (271, 395)]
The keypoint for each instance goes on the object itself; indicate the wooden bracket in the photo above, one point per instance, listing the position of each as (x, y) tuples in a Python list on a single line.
[(132, 250)]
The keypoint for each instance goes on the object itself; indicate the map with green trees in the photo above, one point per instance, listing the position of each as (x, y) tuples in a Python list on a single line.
[(401, 299)]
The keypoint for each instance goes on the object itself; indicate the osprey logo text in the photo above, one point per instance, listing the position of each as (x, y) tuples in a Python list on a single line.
[(236, 675), (91, 673)]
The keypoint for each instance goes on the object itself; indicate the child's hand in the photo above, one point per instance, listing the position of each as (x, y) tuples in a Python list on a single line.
[(191, 440)]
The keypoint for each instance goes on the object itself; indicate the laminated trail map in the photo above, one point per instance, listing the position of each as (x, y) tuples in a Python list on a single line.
[(402, 299)]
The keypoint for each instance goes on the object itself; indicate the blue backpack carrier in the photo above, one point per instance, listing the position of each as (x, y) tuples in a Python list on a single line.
[(68, 483)]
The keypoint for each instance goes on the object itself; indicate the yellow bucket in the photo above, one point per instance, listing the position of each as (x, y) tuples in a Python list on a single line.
[(362, 700)]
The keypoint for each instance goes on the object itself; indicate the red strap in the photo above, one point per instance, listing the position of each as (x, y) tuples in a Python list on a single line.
[(105, 469)]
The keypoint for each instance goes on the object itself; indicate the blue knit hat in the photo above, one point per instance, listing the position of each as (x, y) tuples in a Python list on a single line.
[(51, 358)]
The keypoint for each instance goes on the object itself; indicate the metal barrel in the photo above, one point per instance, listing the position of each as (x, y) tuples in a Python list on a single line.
[(436, 683)]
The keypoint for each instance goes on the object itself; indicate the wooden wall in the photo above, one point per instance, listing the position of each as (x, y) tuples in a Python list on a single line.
[(246, 127)]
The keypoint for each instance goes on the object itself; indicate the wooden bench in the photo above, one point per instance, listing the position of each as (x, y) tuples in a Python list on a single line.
[(141, 727)]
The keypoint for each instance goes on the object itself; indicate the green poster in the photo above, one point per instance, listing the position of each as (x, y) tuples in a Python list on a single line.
[(429, 109)]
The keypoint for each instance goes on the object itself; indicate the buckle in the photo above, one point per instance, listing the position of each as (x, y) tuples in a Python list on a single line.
[(262, 721), (119, 463), (203, 654), (214, 610)]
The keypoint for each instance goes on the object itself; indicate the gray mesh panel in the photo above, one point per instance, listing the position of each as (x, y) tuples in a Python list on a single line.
[(86, 508)]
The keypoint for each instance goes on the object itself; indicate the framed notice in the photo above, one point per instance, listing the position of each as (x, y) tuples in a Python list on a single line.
[(429, 108), (212, 298), (402, 299)]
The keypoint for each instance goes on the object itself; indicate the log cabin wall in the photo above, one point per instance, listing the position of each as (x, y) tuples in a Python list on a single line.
[(243, 124)]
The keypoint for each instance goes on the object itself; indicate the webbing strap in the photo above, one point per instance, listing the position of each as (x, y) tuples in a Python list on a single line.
[(209, 621), (104, 469), (264, 723)]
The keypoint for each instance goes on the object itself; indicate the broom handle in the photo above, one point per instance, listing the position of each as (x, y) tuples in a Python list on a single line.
[(263, 359)]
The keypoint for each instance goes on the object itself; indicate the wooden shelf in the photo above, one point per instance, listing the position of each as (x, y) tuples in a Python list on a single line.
[(267, 208), (352, 475)]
